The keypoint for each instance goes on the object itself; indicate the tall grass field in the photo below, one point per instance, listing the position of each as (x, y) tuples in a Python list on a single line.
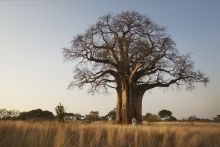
[(100, 134)]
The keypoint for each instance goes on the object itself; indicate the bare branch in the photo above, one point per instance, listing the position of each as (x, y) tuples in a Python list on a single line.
[(129, 47)]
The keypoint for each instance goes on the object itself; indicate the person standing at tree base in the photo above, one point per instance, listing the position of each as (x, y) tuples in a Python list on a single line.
[(134, 121)]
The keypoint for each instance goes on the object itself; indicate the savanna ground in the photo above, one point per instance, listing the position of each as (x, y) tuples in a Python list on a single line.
[(101, 134)]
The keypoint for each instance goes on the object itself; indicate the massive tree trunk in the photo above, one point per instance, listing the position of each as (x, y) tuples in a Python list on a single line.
[(129, 104)]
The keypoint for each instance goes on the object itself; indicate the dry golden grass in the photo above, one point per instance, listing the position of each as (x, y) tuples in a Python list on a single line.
[(75, 134)]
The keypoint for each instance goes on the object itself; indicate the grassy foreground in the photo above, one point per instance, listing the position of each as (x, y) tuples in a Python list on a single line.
[(75, 134)]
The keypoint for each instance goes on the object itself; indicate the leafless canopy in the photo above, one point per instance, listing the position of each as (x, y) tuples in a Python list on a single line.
[(129, 46)]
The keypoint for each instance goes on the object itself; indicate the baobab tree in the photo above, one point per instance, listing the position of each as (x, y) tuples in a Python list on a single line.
[(131, 54)]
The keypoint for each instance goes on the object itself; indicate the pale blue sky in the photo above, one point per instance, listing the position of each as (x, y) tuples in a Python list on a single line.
[(34, 75)]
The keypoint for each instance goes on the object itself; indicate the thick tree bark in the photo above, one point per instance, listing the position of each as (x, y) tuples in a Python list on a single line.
[(119, 106), (126, 102), (137, 105)]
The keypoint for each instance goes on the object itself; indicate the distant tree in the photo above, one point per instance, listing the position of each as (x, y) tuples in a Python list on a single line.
[(193, 118), (151, 117), (172, 118), (131, 54), (36, 114), (3, 113), (23, 116), (8, 114), (13, 114), (92, 116), (165, 114), (60, 112), (69, 114), (217, 118), (47, 115), (77, 116), (111, 115)]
